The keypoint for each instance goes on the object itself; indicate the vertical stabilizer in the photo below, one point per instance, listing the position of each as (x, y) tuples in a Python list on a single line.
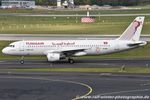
[(133, 32)]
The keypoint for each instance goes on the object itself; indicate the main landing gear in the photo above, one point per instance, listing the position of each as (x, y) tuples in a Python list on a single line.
[(70, 60), (22, 60)]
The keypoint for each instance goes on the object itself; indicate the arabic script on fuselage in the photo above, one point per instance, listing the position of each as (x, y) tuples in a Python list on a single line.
[(63, 43)]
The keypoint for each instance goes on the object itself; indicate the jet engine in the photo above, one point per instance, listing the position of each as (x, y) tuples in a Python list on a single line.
[(53, 57)]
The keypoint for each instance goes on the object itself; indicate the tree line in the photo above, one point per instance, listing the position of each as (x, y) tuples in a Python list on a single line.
[(97, 2)]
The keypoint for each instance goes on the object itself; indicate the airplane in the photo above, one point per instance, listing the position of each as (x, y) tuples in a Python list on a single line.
[(56, 50)]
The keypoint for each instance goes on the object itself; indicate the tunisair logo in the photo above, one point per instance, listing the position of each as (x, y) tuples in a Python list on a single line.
[(131, 31), (136, 24), (34, 43)]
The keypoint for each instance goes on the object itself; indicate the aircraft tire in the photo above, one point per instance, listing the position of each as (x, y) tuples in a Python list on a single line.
[(21, 61), (71, 61)]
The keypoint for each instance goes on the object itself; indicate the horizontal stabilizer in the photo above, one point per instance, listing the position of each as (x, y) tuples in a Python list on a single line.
[(137, 44)]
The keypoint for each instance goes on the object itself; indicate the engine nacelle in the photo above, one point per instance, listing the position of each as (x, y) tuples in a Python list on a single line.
[(53, 57), (80, 54)]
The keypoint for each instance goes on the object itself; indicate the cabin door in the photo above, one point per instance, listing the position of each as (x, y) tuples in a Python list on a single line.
[(21, 47)]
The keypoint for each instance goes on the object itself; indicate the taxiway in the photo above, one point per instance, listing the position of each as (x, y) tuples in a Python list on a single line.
[(71, 86), (15, 37), (71, 15), (79, 63)]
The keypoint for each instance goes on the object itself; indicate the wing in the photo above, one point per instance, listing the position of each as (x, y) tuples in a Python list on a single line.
[(67, 51)]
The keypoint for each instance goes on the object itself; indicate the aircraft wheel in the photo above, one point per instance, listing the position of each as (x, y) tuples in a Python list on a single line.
[(71, 61), (21, 61)]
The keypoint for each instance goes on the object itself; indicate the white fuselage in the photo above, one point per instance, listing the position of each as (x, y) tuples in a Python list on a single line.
[(91, 47)]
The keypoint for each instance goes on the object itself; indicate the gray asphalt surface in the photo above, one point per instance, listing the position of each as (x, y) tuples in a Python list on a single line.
[(79, 63), (16, 37), (67, 86), (73, 15)]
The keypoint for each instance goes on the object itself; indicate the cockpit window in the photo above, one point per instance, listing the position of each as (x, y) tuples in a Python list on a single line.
[(11, 45)]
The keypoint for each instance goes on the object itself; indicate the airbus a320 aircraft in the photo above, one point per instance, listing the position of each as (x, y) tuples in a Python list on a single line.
[(56, 50)]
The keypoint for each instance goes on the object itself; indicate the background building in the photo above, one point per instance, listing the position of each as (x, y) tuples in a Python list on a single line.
[(68, 4), (18, 3), (58, 3)]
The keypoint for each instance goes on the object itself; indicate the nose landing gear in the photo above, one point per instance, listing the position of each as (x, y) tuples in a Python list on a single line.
[(22, 60)]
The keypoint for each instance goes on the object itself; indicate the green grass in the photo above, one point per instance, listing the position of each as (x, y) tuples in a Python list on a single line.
[(141, 7), (66, 25), (142, 52), (139, 70), (144, 9)]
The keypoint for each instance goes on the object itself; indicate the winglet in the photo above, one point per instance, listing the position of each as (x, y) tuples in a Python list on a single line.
[(133, 32)]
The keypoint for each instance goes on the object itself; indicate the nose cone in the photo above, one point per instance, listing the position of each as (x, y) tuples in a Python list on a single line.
[(5, 51)]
